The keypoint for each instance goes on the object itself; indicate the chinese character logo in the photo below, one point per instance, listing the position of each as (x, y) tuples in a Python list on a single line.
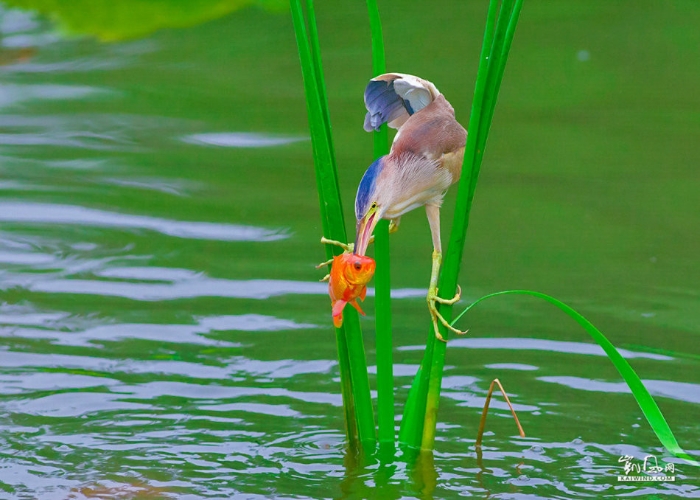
[(648, 470), (652, 469), (629, 466)]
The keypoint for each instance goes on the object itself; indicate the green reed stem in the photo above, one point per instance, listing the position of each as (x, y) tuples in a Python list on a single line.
[(412, 424), (320, 81), (644, 399), (382, 280), (420, 413), (353, 368)]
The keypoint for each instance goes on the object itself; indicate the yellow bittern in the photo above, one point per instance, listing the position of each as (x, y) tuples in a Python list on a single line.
[(425, 159)]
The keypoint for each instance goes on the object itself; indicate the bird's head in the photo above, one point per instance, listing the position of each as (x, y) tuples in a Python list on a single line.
[(370, 205)]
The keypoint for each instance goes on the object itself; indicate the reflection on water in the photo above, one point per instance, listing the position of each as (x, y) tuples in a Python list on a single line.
[(162, 330)]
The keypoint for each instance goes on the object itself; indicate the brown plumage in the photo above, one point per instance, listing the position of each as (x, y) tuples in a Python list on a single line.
[(425, 158)]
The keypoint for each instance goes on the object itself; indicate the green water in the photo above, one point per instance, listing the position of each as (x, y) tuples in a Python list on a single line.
[(162, 330)]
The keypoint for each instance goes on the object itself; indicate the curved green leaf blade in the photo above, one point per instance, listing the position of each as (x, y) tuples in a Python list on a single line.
[(646, 402)]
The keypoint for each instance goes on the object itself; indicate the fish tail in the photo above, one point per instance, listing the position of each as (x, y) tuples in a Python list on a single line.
[(338, 307)]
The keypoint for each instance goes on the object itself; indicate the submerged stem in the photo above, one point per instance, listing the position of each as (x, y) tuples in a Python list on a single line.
[(353, 368), (382, 280), (420, 415)]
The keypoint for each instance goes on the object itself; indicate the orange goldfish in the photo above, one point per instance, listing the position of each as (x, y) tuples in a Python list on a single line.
[(349, 276)]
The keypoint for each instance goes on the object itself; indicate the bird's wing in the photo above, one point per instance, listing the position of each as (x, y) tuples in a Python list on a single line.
[(432, 133), (393, 97)]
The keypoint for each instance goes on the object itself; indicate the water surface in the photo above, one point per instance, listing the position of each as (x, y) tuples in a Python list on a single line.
[(162, 330)]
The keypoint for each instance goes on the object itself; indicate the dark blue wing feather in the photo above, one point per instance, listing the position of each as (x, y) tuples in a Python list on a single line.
[(383, 104)]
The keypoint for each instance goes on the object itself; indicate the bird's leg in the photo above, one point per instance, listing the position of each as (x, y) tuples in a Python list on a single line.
[(433, 213), (433, 299)]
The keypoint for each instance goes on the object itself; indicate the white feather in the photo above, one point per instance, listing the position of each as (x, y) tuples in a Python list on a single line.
[(412, 89)]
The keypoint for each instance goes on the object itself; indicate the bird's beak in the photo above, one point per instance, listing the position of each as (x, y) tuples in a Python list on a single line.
[(365, 227)]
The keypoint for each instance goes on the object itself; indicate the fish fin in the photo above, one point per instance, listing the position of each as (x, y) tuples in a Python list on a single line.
[(354, 304), (338, 307), (363, 294)]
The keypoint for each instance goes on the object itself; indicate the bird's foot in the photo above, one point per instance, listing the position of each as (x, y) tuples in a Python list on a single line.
[(435, 315), (393, 226), (433, 299), (347, 248)]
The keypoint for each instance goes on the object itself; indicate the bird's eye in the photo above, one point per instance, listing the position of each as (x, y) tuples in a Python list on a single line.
[(374, 204), (357, 265)]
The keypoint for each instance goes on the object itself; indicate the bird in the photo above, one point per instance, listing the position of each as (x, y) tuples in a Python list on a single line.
[(424, 161)]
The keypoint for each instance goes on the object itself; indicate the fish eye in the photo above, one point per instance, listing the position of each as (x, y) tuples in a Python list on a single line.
[(357, 265)]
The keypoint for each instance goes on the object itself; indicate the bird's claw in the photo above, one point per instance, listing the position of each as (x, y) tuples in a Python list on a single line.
[(393, 227), (322, 264), (451, 301), (436, 316), (347, 248)]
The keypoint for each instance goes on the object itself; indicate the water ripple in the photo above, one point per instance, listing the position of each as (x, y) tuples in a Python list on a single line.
[(30, 382), (201, 287), (240, 140), (169, 186), (239, 368), (68, 405), (51, 329), (11, 94), (541, 345), (681, 391), (44, 213), (171, 284), (265, 409), (511, 366)]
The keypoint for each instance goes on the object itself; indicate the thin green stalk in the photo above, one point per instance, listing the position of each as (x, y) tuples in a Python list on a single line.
[(320, 155), (384, 344), (644, 399), (499, 56), (410, 434), (353, 368), (420, 413), (508, 16), (382, 282), (320, 81)]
